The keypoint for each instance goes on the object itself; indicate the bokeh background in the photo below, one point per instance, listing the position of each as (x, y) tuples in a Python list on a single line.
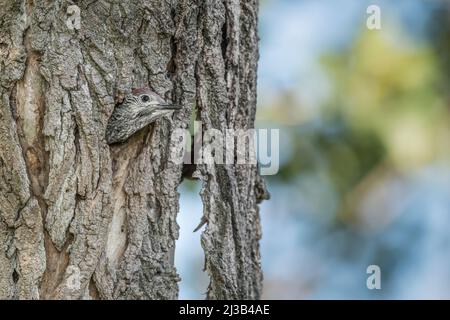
[(364, 119)]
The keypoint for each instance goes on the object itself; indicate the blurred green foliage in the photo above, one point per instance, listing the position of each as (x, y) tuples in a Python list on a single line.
[(390, 86), (387, 113)]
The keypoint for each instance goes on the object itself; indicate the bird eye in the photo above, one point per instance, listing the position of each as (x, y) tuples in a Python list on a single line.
[(145, 98)]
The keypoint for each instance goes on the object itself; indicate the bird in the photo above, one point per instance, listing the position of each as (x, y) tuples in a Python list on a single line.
[(137, 109)]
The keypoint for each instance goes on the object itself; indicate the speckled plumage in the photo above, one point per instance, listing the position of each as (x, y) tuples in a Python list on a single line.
[(138, 109)]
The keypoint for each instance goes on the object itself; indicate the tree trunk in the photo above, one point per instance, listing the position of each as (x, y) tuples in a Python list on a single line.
[(82, 220)]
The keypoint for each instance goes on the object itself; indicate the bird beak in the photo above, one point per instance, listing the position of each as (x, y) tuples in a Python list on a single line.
[(168, 106)]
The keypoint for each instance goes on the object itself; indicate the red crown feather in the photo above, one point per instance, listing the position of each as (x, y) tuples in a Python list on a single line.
[(138, 91)]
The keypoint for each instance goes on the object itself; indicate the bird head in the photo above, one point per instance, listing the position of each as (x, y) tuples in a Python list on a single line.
[(138, 109), (144, 103)]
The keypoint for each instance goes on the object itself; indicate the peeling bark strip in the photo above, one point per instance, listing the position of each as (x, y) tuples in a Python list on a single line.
[(82, 220), (226, 73)]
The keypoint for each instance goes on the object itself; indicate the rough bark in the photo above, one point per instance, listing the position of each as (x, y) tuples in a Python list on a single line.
[(82, 220)]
